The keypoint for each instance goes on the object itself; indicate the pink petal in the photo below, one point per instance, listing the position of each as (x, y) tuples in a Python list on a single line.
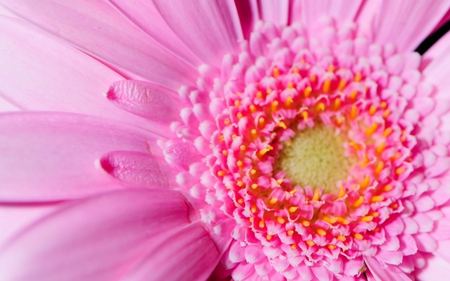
[(248, 15), (394, 257), (408, 245), (441, 166), (51, 156), (185, 254), (390, 273), (15, 217), (435, 64), (99, 238), (56, 77), (352, 267), (406, 23), (443, 250), (147, 18), (275, 11), (6, 106), (138, 169), (433, 60), (322, 273), (441, 230), (146, 99), (424, 203), (182, 153), (210, 29), (435, 269), (98, 29), (395, 227), (342, 11), (425, 242)]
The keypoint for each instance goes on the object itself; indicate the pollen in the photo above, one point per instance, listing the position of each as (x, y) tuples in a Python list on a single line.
[(274, 106), (272, 201), (316, 158), (307, 92)]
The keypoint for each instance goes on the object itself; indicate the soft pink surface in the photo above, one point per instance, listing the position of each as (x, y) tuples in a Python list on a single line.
[(385, 273), (15, 217), (146, 17), (344, 11), (185, 254), (98, 29), (57, 77), (6, 106), (210, 29), (407, 23), (100, 238), (274, 11), (51, 156), (145, 234)]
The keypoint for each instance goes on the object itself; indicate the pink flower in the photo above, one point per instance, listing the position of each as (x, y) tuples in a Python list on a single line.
[(195, 140)]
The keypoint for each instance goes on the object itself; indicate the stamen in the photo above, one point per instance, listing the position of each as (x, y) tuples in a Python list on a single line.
[(337, 104), (341, 238), (310, 243), (273, 200), (254, 134), (289, 101), (372, 109), (261, 123), (276, 72), (326, 85), (274, 106), (307, 92), (358, 236), (365, 183), (354, 112), (377, 198), (342, 84), (359, 202)]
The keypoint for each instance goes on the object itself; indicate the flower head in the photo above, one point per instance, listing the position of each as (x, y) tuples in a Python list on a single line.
[(311, 143)]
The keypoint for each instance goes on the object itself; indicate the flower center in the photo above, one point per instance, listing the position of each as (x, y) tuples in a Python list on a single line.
[(316, 157), (307, 147)]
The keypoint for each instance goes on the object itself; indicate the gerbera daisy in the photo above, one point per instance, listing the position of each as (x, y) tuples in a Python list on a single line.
[(194, 140)]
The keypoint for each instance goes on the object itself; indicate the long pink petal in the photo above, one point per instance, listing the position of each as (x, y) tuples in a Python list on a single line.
[(6, 106), (51, 156), (188, 254), (341, 10), (406, 23), (435, 269), (98, 29), (390, 273), (55, 77), (444, 19), (146, 17), (248, 12), (275, 11), (210, 29), (15, 217), (100, 238), (435, 64)]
